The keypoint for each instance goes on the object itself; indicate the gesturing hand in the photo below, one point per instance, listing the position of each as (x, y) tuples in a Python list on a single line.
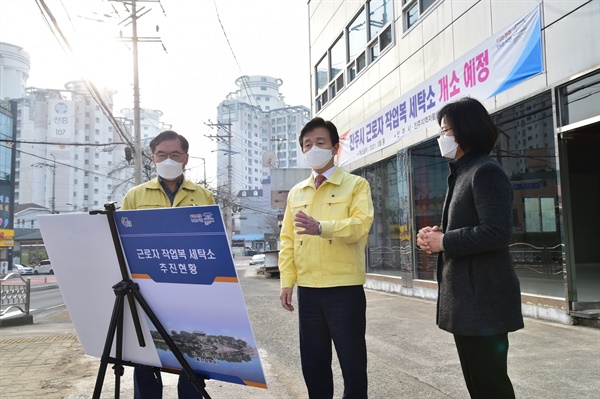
[(308, 223)]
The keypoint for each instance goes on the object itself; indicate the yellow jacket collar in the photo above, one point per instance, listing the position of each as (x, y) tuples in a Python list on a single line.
[(185, 184), (336, 178)]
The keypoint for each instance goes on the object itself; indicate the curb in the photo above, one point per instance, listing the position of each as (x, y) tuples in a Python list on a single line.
[(44, 287), (21, 320)]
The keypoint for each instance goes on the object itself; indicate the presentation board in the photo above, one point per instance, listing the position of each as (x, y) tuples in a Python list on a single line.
[(181, 259)]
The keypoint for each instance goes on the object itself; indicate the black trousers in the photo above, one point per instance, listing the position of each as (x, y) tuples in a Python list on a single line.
[(483, 362), (147, 384), (338, 314)]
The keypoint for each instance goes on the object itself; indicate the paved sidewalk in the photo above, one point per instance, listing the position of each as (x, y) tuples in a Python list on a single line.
[(408, 356)]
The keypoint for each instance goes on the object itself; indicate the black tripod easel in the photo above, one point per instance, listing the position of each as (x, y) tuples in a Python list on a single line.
[(127, 288)]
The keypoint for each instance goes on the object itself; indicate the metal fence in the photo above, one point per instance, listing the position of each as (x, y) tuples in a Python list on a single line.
[(15, 293)]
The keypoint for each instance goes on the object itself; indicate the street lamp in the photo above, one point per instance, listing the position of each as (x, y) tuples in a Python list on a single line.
[(53, 169)]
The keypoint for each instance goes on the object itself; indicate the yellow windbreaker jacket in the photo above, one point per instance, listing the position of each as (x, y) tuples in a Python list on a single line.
[(344, 207), (151, 195)]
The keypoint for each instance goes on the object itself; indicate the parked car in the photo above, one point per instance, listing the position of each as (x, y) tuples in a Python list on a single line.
[(249, 251), (257, 259), (21, 269), (43, 267)]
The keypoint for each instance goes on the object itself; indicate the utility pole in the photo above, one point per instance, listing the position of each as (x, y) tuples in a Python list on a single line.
[(52, 168), (136, 99), (134, 15), (228, 201)]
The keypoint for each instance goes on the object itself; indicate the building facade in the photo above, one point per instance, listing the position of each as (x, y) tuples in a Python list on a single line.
[(7, 169), (264, 133), (14, 70), (380, 70), (92, 168), (255, 133), (63, 177)]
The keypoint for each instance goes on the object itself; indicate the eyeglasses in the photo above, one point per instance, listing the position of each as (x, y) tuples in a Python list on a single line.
[(443, 131), (175, 156)]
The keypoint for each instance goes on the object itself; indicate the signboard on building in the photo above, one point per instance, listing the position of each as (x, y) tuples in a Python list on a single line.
[(61, 118), (7, 238), (504, 60)]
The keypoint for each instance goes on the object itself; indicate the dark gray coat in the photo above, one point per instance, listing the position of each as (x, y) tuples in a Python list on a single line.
[(478, 290)]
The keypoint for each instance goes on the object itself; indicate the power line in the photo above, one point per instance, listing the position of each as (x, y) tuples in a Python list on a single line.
[(61, 144), (63, 41), (71, 166)]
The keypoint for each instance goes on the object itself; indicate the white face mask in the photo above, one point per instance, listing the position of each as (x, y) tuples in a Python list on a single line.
[(448, 146), (169, 169), (317, 157)]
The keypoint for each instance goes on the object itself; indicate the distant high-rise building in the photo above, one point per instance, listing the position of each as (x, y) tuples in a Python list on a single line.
[(68, 156), (257, 131), (88, 172), (14, 71), (63, 177), (264, 133)]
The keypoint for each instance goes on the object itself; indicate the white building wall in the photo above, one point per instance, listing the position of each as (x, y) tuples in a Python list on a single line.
[(445, 32), (83, 174), (14, 70), (253, 111)]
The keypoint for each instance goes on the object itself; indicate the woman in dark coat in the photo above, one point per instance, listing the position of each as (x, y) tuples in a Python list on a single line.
[(478, 291)]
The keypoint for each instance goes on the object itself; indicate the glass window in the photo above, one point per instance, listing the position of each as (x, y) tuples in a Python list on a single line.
[(580, 100), (412, 15), (361, 63), (537, 247), (338, 58), (413, 9), (384, 244), (426, 3), (352, 72), (380, 12), (374, 51), (357, 35), (321, 75), (430, 171), (339, 83), (385, 39)]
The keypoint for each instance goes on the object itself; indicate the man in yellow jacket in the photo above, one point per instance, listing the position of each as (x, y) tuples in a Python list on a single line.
[(323, 239), (169, 189)]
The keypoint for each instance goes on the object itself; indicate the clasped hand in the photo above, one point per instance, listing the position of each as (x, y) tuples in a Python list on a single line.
[(428, 239)]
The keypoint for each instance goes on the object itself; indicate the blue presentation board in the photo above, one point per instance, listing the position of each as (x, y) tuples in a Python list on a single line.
[(182, 261)]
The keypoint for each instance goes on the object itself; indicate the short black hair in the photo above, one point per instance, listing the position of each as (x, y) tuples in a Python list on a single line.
[(320, 122), (169, 135), (472, 126)]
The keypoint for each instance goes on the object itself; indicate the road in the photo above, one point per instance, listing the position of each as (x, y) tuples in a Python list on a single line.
[(42, 301), (409, 357)]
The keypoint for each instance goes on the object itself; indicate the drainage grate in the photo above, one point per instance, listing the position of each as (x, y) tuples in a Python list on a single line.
[(70, 337)]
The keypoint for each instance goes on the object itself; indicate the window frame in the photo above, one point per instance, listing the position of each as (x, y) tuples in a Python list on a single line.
[(407, 6), (353, 67)]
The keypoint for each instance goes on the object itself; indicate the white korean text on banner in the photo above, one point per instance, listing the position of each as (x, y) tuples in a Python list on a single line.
[(504, 60), (181, 259)]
